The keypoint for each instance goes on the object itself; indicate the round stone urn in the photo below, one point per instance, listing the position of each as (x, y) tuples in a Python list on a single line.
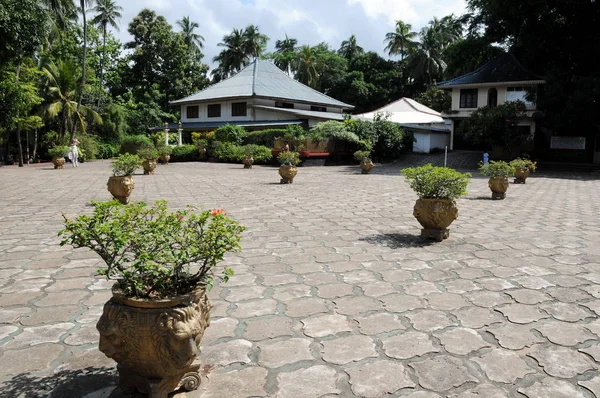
[(287, 174), (248, 160), (58, 163), (499, 186), (521, 175), (366, 166), (149, 166), (155, 342), (121, 188), (165, 159), (435, 215)]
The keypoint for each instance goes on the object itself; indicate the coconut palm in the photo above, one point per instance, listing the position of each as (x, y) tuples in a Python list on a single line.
[(426, 61), (447, 30), (61, 86), (107, 13), (305, 65), (254, 41), (350, 48), (285, 51), (63, 12), (233, 57), (194, 41), (400, 41)]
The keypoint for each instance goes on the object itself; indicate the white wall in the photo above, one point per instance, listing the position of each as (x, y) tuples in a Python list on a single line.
[(482, 97), (439, 140), (225, 112), (421, 145)]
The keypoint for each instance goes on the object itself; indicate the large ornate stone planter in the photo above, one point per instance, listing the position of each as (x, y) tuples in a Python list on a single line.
[(498, 185), (287, 174), (155, 342), (521, 175), (58, 163), (165, 159), (121, 188), (366, 166), (149, 166), (435, 215), (248, 162)]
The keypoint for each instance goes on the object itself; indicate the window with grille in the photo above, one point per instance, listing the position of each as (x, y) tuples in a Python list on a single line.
[(192, 112), (239, 109), (318, 108), (286, 105), (517, 94), (214, 110), (468, 98)]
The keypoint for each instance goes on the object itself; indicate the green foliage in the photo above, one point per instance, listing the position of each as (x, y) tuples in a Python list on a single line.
[(230, 133), (159, 138), (108, 151), (362, 155), (389, 138), (22, 28), (152, 252), (89, 145), (468, 54), (58, 151), (497, 169), (431, 182), (164, 150), (258, 152), (125, 165), (185, 153), (133, 143), (287, 158), (522, 163), (436, 99), (497, 125), (147, 153), (338, 132), (264, 137), (228, 152)]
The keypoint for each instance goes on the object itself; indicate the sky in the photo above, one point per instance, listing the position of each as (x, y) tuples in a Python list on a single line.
[(309, 21)]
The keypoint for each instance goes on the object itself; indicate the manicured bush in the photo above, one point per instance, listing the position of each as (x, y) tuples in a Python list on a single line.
[(126, 165), (59, 151), (133, 143), (362, 155), (521, 163), (148, 154), (185, 153), (108, 151), (164, 150), (229, 152), (287, 158), (258, 152), (496, 169), (437, 182), (264, 137), (230, 133)]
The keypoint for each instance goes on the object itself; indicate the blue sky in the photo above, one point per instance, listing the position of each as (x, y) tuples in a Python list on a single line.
[(309, 21)]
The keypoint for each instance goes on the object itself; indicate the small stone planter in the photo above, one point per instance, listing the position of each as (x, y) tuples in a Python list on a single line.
[(121, 188), (499, 186), (366, 166), (164, 159), (248, 160), (521, 175), (435, 215), (202, 153), (149, 166), (58, 163), (287, 174)]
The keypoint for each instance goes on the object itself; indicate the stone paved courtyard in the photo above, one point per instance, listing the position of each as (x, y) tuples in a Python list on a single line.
[(334, 294)]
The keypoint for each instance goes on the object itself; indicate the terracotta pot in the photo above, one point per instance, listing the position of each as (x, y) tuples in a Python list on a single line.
[(202, 153), (149, 166), (165, 159), (287, 174), (58, 163), (435, 215), (248, 162), (366, 166), (121, 188), (521, 175), (155, 342), (498, 185)]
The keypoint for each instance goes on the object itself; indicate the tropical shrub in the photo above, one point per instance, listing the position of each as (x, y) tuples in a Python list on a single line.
[(152, 252), (230, 133), (258, 152), (229, 152), (287, 158), (148, 154), (126, 165), (431, 182), (133, 143), (59, 151), (88, 147), (185, 153), (496, 169), (264, 137), (337, 131), (164, 150), (158, 138), (362, 155), (108, 151), (521, 163)]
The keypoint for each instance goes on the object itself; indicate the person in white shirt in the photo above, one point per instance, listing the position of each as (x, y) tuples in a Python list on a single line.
[(74, 153)]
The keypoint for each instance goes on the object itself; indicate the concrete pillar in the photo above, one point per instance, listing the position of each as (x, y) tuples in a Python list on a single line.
[(452, 135), (180, 135), (166, 134)]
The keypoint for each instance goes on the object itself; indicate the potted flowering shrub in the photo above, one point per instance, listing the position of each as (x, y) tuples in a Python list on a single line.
[(288, 170), (366, 164), (58, 155), (121, 184), (254, 153), (498, 171), (148, 157), (164, 152), (163, 263), (522, 169), (437, 187)]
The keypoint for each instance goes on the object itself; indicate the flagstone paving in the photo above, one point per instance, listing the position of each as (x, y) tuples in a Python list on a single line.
[(334, 293)]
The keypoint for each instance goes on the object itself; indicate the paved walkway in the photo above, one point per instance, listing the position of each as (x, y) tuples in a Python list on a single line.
[(334, 294)]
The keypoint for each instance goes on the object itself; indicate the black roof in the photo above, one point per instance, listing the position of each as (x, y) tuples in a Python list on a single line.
[(504, 68)]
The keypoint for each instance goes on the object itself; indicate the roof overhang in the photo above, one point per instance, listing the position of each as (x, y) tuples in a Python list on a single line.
[(303, 113), (493, 84), (207, 125), (248, 97)]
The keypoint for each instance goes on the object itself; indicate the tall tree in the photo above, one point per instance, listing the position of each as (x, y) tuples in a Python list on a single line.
[(193, 40), (82, 4), (107, 13), (426, 61), (254, 41), (285, 51), (306, 66), (350, 48), (401, 40), (240, 47)]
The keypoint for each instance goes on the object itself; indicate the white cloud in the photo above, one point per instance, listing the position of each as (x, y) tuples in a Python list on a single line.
[(309, 21)]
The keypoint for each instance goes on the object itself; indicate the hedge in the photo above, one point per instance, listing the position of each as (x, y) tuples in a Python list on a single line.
[(133, 143), (185, 153), (264, 137)]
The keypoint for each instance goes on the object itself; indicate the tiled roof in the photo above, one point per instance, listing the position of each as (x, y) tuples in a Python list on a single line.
[(264, 80), (504, 68)]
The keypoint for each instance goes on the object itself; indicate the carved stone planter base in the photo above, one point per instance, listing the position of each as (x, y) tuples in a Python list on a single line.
[(498, 196), (285, 181), (519, 181), (130, 382), (435, 234)]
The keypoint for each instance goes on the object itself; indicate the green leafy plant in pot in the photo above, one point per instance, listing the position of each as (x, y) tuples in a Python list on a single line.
[(522, 169), (58, 154), (288, 170), (366, 164), (163, 263), (148, 157), (498, 171), (438, 188), (164, 152), (121, 184)]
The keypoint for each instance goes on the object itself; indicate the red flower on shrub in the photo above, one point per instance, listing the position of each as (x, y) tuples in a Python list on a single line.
[(218, 211)]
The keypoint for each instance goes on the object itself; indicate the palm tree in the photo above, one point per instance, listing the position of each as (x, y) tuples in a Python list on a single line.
[(285, 51), (426, 62), (400, 41), (350, 49), (447, 30), (62, 10), (107, 14), (61, 86), (254, 41), (194, 41), (306, 66), (233, 57)]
